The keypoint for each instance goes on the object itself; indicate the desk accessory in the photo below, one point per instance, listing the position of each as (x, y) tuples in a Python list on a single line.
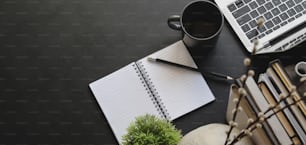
[(263, 105), (298, 110), (284, 132), (261, 136), (143, 87), (200, 21), (293, 126), (262, 97), (261, 120), (151, 130), (294, 76), (222, 76), (284, 26), (300, 69), (286, 117)]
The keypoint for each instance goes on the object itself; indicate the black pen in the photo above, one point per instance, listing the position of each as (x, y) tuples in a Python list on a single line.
[(190, 68)]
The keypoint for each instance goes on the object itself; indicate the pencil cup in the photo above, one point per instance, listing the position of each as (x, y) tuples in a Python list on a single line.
[(300, 69)]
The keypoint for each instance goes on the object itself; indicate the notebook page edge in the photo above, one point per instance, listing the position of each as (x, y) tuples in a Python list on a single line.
[(106, 109), (178, 48)]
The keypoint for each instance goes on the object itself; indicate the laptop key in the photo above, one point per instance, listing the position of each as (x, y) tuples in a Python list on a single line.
[(276, 20), (241, 11), (253, 5), (242, 20), (239, 3), (245, 28), (268, 15), (269, 6), (284, 16), (290, 3), (262, 29), (291, 12), (276, 2), (269, 31), (246, 1), (260, 2), (261, 9), (284, 23), (291, 19), (298, 8), (261, 35), (275, 11), (276, 27), (251, 33), (269, 24), (231, 7), (304, 4), (254, 14), (283, 7), (297, 1), (253, 23), (298, 15)]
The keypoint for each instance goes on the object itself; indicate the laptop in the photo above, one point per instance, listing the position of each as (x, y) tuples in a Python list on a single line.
[(284, 23)]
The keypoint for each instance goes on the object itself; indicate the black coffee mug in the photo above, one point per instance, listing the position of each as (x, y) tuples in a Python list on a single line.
[(201, 22)]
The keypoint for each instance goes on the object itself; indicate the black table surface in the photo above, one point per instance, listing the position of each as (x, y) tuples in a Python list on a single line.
[(50, 50)]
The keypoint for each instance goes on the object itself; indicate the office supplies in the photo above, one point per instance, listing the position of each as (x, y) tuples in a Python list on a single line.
[(263, 105), (191, 68), (294, 76), (200, 21), (300, 69), (277, 71), (143, 87), (280, 71), (265, 80), (284, 27), (253, 104), (261, 136), (280, 115)]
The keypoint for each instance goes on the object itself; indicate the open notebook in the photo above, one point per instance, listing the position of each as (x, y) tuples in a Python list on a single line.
[(145, 87)]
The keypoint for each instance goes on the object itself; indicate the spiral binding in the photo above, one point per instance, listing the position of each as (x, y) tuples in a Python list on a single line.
[(153, 94)]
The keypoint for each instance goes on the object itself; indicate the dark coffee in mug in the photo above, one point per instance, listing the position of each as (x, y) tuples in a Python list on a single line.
[(201, 20)]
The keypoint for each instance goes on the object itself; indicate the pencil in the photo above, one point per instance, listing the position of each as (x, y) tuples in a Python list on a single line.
[(219, 75)]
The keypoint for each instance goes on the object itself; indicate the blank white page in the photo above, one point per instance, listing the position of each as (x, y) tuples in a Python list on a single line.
[(180, 90), (122, 97)]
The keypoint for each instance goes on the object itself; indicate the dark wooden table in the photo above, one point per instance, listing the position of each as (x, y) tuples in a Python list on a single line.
[(50, 50)]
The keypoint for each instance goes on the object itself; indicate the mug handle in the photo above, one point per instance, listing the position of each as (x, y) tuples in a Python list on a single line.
[(173, 22)]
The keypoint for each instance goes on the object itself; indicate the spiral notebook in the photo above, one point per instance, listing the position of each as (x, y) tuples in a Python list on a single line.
[(145, 87)]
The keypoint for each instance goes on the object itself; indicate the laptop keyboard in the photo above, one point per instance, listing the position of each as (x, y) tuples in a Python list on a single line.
[(276, 13)]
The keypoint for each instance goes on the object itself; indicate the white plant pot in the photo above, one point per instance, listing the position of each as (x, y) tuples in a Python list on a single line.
[(211, 134)]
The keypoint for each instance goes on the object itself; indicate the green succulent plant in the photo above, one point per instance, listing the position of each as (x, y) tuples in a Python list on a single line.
[(151, 130)]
